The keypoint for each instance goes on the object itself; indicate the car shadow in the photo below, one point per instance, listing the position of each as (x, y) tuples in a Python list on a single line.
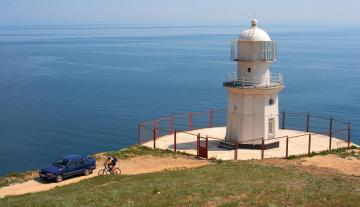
[(44, 181)]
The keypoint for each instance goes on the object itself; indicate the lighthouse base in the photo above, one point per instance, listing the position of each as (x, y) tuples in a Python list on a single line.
[(231, 145), (298, 144)]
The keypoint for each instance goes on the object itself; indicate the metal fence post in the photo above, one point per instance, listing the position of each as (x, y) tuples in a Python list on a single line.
[(155, 123), (262, 148), (154, 137), (308, 122), (156, 132), (207, 145), (283, 120), (348, 135), (211, 118), (139, 133), (191, 119), (236, 150), (175, 141), (330, 132), (171, 123), (287, 147), (309, 148), (197, 144)]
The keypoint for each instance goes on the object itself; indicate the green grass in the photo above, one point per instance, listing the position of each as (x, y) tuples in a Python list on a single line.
[(140, 150), (226, 183), (341, 152)]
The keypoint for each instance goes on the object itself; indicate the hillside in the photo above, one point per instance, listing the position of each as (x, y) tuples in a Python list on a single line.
[(270, 182)]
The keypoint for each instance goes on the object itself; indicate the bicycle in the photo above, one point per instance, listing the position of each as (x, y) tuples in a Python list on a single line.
[(108, 171)]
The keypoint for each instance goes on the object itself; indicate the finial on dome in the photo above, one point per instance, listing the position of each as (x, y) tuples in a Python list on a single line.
[(254, 22)]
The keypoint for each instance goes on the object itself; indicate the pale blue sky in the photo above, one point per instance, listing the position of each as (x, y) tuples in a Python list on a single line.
[(94, 11)]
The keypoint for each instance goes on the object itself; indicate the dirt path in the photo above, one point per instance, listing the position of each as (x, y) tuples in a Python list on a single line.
[(348, 166), (328, 164), (137, 165)]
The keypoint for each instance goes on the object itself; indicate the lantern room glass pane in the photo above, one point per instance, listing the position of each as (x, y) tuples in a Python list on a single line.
[(253, 51), (263, 51), (268, 51)]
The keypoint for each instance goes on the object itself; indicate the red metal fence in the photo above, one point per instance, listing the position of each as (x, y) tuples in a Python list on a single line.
[(186, 122), (318, 124)]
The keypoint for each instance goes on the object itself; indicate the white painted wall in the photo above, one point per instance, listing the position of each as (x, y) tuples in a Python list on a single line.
[(249, 111), (259, 70)]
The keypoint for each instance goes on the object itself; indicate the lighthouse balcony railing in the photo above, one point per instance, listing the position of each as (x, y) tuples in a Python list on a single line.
[(233, 80)]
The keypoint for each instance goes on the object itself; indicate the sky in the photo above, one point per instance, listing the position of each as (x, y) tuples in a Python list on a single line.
[(112, 11)]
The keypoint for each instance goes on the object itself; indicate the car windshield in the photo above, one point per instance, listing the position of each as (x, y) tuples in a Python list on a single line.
[(60, 162)]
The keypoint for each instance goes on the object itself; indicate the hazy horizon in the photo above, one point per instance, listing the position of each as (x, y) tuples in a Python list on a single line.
[(33, 12)]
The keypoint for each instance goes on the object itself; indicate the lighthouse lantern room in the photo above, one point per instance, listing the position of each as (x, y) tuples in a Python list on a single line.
[(253, 111)]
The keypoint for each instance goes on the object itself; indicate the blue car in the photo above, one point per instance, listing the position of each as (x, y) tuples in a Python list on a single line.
[(68, 166)]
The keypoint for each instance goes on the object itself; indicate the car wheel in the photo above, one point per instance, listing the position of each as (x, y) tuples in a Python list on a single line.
[(91, 171), (86, 172), (59, 178)]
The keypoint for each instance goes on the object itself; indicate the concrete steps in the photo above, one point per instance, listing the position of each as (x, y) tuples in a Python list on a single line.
[(226, 145)]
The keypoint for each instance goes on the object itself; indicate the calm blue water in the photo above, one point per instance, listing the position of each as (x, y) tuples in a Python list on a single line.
[(83, 89)]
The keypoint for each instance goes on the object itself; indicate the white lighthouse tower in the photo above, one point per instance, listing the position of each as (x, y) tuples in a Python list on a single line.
[(253, 110)]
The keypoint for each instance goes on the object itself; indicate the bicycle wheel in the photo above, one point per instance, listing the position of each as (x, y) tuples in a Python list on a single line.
[(103, 172), (117, 171)]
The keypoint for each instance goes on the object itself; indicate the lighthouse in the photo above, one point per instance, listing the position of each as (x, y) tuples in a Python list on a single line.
[(252, 115), (253, 91)]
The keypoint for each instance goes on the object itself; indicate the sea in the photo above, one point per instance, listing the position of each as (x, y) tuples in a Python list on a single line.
[(82, 89)]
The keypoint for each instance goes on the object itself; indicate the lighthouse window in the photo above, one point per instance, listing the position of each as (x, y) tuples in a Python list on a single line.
[(271, 101), (271, 126), (268, 49), (249, 70)]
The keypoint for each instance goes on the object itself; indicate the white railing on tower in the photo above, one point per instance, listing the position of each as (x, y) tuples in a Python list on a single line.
[(274, 80)]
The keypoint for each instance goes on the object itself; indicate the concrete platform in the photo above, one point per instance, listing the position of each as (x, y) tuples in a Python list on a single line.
[(297, 146)]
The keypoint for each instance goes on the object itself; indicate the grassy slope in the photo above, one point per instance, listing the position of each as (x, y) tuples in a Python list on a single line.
[(353, 151), (139, 150), (133, 151), (16, 177), (224, 183)]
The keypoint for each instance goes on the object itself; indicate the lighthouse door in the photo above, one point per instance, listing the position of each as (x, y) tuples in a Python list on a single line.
[(271, 128)]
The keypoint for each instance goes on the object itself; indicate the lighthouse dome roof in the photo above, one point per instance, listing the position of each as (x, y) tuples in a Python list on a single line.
[(254, 33)]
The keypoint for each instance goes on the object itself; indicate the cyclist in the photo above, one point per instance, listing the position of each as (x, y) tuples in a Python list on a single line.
[(111, 163)]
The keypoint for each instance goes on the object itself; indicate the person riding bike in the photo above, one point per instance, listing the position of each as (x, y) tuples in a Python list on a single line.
[(111, 163)]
